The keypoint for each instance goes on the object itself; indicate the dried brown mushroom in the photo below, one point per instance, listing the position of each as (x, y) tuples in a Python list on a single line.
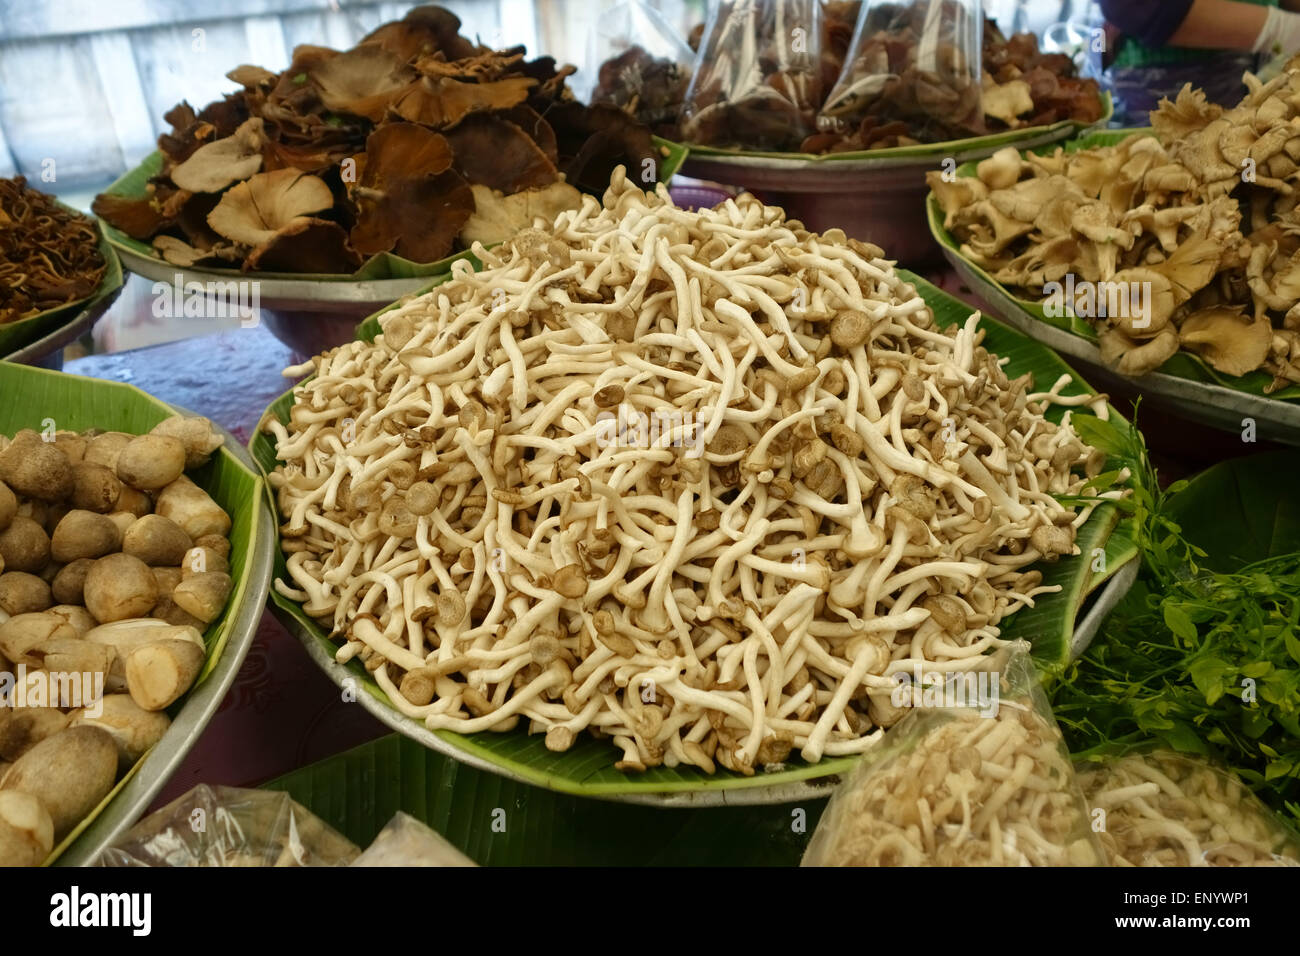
[(49, 254), (408, 199), (343, 120)]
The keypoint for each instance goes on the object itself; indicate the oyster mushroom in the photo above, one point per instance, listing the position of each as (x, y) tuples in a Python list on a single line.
[(253, 212), (214, 166), (1226, 339)]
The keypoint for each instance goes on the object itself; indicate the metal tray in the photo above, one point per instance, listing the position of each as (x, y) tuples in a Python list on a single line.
[(47, 352), (307, 315), (1202, 402), (151, 775)]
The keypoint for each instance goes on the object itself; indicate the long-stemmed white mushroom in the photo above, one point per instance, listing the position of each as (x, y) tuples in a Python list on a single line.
[(697, 482)]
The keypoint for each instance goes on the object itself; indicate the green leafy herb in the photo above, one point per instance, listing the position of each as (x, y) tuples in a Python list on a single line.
[(1198, 661)]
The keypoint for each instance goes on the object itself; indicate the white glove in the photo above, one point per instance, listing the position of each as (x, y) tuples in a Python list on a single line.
[(1281, 33)]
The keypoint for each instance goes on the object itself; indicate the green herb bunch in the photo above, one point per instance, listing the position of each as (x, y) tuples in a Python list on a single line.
[(1200, 661)]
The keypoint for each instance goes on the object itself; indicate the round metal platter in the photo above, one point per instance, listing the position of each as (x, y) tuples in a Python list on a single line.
[(1202, 402)]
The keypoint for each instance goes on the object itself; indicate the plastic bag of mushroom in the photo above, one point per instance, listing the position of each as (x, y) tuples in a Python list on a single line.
[(982, 778), (1168, 809), (700, 483)]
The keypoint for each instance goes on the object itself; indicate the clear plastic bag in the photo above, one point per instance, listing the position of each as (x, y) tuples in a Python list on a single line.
[(757, 82), (645, 65), (976, 774), (1167, 809), (405, 841), (914, 68), (227, 826)]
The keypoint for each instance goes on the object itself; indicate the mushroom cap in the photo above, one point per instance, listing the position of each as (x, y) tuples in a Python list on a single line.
[(216, 165), (409, 201), (1131, 357), (1231, 343), (497, 217), (362, 81), (254, 211), (306, 245), (424, 30), (493, 152), (442, 101)]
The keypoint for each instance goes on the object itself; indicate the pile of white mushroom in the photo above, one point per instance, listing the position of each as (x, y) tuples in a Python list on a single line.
[(962, 790), (1165, 809), (699, 482)]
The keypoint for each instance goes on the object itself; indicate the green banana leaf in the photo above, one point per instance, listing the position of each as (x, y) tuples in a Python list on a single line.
[(43, 400), (1182, 364), (935, 151), (500, 822), (133, 185), (587, 768), (1242, 511), (17, 335)]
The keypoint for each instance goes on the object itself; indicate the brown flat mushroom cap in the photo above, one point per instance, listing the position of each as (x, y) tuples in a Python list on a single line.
[(409, 201), (443, 102), (255, 210), (498, 154), (216, 165), (306, 245), (140, 218), (423, 31), (362, 81)]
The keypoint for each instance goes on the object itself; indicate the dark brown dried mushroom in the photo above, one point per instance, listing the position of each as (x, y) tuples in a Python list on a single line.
[(498, 154), (409, 201), (49, 254)]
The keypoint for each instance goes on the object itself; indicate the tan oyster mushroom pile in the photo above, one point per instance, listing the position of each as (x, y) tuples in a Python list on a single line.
[(700, 483), (1202, 216)]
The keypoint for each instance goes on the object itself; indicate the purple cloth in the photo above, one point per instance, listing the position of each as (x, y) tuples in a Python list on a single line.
[(1152, 22)]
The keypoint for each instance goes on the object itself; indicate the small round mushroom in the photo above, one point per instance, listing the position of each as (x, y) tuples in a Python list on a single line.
[(133, 502), (69, 773), (8, 505), (119, 586), (103, 449), (203, 595), (24, 545), (151, 462), (94, 487), (196, 434), (190, 507), (37, 469), (158, 674), (26, 830), (133, 729), (69, 584), (23, 593), (156, 540), (84, 534)]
